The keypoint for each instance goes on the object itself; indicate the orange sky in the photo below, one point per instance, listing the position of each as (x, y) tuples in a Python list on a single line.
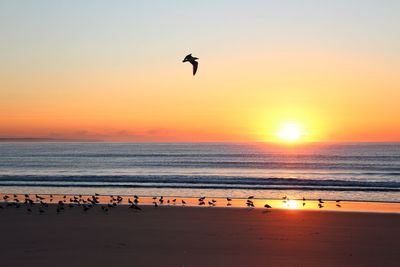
[(65, 81)]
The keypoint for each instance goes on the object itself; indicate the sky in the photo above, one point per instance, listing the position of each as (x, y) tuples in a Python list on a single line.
[(112, 70)]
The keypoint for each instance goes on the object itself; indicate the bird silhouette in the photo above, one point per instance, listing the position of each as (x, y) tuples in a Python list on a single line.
[(192, 60)]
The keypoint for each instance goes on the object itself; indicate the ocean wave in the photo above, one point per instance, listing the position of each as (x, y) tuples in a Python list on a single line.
[(188, 181), (207, 155), (393, 168)]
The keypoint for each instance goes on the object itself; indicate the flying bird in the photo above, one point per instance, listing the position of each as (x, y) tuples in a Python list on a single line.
[(192, 60)]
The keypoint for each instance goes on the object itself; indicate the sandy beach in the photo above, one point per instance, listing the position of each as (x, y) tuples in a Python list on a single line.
[(190, 236)]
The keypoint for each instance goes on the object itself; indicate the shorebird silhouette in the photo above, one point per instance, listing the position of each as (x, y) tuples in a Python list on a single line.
[(192, 60)]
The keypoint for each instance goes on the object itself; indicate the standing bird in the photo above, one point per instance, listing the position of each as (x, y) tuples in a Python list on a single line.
[(192, 61)]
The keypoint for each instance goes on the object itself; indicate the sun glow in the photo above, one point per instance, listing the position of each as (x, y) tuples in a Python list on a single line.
[(290, 132), (291, 204)]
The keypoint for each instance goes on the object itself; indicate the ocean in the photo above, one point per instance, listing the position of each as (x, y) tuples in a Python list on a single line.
[(347, 171)]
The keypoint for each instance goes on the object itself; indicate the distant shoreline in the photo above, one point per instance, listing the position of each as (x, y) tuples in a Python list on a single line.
[(33, 139)]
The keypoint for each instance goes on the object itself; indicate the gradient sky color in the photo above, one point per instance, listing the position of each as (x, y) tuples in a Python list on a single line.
[(113, 70)]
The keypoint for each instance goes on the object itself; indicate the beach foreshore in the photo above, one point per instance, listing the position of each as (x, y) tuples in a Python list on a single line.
[(286, 203), (190, 236)]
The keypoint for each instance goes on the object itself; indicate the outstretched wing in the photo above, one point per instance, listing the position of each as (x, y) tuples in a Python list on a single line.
[(195, 65), (187, 58)]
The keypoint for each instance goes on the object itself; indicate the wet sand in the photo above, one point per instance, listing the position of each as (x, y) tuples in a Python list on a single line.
[(190, 236)]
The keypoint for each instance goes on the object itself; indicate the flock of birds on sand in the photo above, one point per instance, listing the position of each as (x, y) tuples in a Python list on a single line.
[(90, 202)]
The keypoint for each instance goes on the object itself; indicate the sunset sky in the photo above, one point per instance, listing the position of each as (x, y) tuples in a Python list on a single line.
[(113, 70)]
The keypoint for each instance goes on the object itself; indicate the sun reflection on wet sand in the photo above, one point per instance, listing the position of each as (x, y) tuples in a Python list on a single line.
[(209, 202)]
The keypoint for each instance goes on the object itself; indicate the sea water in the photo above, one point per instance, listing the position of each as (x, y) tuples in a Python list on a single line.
[(349, 171)]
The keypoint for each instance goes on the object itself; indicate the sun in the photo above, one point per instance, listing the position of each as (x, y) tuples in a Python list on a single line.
[(290, 132)]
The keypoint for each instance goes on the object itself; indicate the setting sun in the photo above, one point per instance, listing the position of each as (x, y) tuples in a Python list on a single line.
[(290, 132)]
